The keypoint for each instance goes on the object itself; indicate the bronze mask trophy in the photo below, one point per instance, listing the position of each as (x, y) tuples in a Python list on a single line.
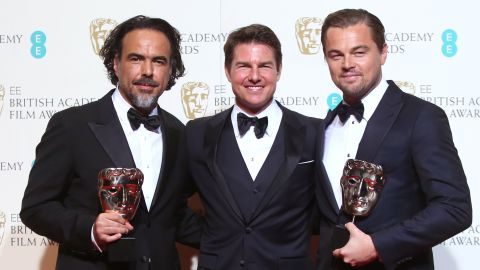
[(119, 190), (362, 183)]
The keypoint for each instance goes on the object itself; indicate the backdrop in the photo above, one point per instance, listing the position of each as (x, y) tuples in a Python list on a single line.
[(49, 61)]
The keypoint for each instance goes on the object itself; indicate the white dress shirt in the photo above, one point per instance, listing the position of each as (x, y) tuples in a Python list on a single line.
[(342, 139), (146, 147), (255, 151)]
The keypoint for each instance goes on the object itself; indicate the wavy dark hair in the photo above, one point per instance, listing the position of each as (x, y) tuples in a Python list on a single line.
[(113, 45), (255, 33), (349, 17)]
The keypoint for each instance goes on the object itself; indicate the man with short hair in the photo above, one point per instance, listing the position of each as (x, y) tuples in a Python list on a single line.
[(425, 199), (253, 165)]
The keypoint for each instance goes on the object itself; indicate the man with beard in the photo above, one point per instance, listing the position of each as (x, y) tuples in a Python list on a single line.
[(125, 128)]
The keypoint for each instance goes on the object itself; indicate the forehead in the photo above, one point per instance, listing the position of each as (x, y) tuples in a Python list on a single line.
[(253, 51), (146, 39), (351, 35)]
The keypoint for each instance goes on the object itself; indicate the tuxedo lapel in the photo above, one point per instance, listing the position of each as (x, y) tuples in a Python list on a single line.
[(325, 192), (330, 116), (293, 142), (171, 137), (109, 133), (215, 126), (382, 120)]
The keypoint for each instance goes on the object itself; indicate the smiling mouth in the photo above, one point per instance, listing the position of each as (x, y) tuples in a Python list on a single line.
[(254, 87), (350, 75)]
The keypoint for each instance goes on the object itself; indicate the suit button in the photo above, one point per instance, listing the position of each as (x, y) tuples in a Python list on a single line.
[(248, 230), (255, 191), (145, 259), (242, 262)]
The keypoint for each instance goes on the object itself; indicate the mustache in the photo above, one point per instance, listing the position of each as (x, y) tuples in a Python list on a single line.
[(146, 81)]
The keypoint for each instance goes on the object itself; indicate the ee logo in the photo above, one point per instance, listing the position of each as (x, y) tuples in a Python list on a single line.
[(449, 47), (38, 49), (333, 100)]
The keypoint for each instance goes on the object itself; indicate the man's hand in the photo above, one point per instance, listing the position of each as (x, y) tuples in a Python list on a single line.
[(359, 249), (109, 227)]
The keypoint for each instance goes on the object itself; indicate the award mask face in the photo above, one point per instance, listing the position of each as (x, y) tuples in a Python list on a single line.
[(308, 34), (361, 182), (119, 190), (195, 99)]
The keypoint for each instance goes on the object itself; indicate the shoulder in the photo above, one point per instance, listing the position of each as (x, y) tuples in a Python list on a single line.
[(410, 101), (301, 118), (171, 120), (77, 114), (203, 122), (87, 111), (421, 106)]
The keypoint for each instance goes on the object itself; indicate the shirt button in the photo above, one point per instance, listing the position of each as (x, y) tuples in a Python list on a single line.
[(242, 262)]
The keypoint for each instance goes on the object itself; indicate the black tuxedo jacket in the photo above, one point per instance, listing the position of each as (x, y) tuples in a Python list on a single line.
[(425, 199), (261, 224), (61, 202)]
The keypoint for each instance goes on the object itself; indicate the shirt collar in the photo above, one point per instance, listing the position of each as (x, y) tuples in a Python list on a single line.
[(273, 112), (122, 106), (372, 99)]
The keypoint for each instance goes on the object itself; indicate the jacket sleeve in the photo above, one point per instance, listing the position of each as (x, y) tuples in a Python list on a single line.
[(448, 208), (43, 208)]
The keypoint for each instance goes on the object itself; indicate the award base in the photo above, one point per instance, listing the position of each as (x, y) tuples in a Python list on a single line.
[(340, 236), (122, 250)]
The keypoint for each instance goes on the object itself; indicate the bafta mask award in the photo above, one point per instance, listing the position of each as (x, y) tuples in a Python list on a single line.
[(119, 190), (362, 183)]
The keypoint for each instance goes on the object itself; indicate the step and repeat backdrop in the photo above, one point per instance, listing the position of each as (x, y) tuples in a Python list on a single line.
[(49, 61)]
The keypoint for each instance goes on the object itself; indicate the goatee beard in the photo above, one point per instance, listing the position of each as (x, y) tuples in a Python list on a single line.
[(144, 103)]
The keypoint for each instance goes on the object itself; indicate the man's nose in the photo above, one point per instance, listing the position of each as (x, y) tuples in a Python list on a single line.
[(147, 69), (254, 75), (348, 62)]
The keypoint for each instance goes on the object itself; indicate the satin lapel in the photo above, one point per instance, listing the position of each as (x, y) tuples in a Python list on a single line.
[(171, 138), (294, 140), (330, 116), (326, 191), (380, 123), (109, 133), (213, 131)]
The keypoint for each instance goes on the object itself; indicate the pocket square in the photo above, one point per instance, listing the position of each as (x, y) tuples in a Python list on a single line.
[(306, 162)]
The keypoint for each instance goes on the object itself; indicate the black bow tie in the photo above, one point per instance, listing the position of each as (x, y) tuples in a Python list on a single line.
[(149, 122), (244, 123), (344, 111)]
